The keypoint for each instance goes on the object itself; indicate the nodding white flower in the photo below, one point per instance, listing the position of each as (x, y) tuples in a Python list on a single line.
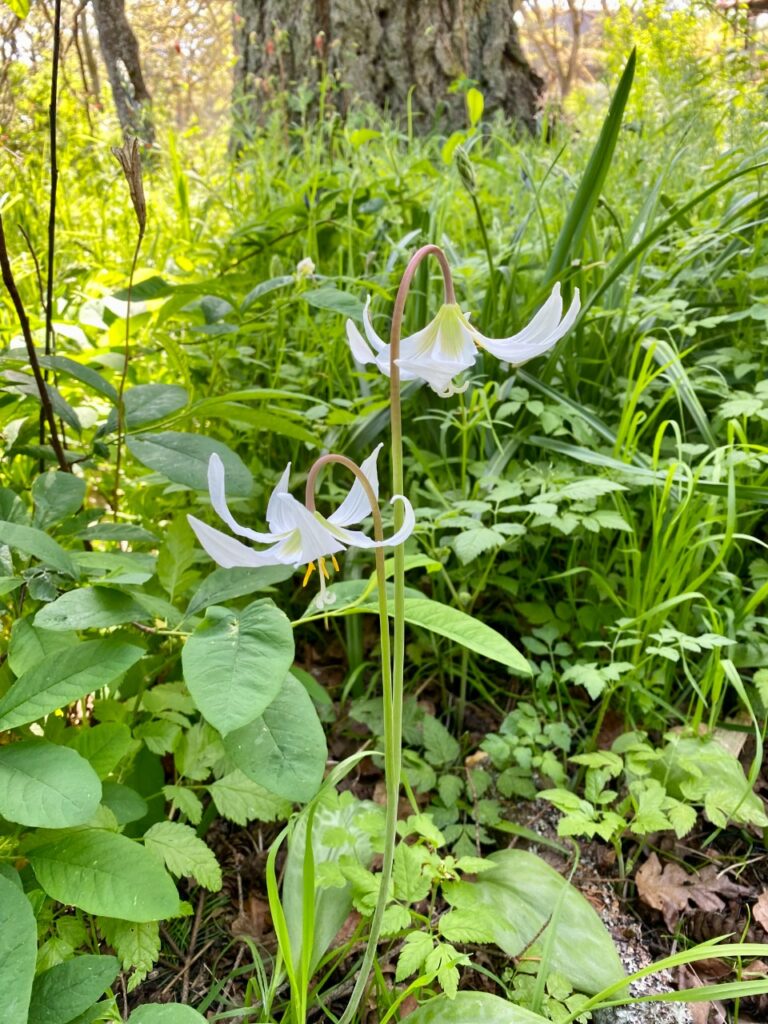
[(296, 536), (449, 343), (305, 267)]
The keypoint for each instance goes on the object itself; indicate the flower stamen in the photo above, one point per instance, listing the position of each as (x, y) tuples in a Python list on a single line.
[(310, 569)]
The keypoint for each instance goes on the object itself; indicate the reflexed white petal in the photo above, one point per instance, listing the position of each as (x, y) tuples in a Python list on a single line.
[(360, 350), (541, 334), (317, 540), (276, 519), (376, 343), (437, 372), (216, 479), (356, 506), (358, 539), (228, 552)]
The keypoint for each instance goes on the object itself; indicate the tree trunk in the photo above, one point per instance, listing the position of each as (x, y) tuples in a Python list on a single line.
[(120, 51), (378, 49)]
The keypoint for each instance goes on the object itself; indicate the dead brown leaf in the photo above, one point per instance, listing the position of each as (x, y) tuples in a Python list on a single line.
[(760, 910), (672, 890), (700, 1013)]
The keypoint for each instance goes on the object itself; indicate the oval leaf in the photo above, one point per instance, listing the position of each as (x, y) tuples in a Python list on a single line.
[(64, 676), (183, 458), (18, 952), (513, 903), (235, 663), (46, 786), (471, 1008), (165, 1013), (105, 873), (39, 545), (65, 991), (147, 403), (284, 749), (90, 608)]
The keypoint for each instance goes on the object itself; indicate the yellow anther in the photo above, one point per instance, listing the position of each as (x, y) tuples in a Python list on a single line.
[(324, 568), (308, 573), (335, 563)]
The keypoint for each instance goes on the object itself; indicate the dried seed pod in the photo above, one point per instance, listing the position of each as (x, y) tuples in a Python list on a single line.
[(129, 157)]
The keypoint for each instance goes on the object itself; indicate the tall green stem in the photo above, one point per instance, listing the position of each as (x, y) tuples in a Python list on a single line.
[(393, 681), (391, 767)]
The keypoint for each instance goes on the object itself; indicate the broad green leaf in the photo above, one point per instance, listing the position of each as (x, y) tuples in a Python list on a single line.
[(105, 873), (82, 373), (473, 1008), (284, 749), (225, 584), (147, 403), (65, 991), (46, 786), (241, 800), (183, 853), (165, 1013), (517, 898), (125, 803), (18, 952), (65, 676), (36, 544), (235, 662), (588, 193), (56, 496), (90, 608), (335, 300), (337, 831), (103, 745), (264, 288), (28, 644), (465, 630), (183, 459)]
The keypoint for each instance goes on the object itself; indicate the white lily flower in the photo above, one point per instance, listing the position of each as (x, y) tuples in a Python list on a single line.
[(296, 536), (449, 343)]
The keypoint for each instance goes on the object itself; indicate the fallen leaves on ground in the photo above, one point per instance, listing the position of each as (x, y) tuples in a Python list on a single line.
[(673, 891)]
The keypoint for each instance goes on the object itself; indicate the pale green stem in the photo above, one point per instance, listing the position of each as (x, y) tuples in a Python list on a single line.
[(391, 770), (393, 687)]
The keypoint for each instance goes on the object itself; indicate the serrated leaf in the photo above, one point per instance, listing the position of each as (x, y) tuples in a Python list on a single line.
[(470, 544), (396, 919), (183, 853), (187, 802), (416, 949), (440, 747), (136, 944), (410, 881), (241, 800)]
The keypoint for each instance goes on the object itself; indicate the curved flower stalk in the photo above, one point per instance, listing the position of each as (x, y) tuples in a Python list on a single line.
[(296, 535), (449, 343)]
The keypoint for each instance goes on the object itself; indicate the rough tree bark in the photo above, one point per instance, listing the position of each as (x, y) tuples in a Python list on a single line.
[(120, 51), (379, 49)]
